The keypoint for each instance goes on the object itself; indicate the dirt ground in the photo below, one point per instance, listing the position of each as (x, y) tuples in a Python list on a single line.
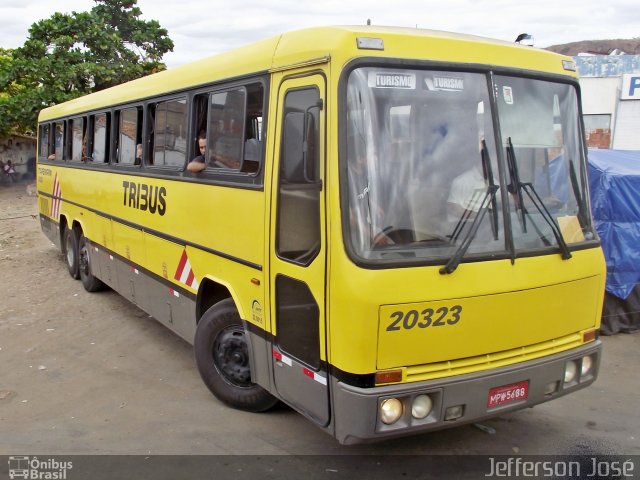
[(88, 373)]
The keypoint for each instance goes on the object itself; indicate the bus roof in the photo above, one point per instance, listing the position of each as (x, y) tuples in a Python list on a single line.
[(298, 47)]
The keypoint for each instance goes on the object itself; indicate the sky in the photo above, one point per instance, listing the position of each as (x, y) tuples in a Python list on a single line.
[(200, 28)]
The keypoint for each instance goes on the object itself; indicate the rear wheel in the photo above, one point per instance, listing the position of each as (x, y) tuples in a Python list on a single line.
[(70, 251), (89, 282), (222, 357)]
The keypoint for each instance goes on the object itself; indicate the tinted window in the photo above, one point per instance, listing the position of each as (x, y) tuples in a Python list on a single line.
[(129, 136), (170, 133), (43, 147), (299, 187), (100, 137), (59, 140), (78, 143), (231, 121)]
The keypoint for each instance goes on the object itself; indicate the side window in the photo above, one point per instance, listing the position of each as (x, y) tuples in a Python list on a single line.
[(226, 129), (58, 146), (78, 140), (201, 112), (129, 137), (234, 131), (299, 186), (44, 141), (170, 133), (100, 140), (300, 155), (252, 154)]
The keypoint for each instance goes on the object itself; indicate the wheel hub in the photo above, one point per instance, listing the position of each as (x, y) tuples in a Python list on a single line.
[(84, 260), (231, 357)]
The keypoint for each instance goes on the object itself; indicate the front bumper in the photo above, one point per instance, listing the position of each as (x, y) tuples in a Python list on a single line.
[(355, 409)]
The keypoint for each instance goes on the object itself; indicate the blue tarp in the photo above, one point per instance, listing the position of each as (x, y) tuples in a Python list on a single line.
[(614, 180)]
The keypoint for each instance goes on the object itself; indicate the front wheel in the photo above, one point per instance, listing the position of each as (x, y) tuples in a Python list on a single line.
[(89, 282), (222, 357), (70, 250)]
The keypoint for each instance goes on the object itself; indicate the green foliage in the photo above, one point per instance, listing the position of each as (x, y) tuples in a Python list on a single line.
[(69, 55)]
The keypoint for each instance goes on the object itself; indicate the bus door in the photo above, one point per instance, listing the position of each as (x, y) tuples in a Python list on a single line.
[(297, 263)]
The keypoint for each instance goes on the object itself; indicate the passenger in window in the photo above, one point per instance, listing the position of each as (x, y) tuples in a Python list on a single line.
[(138, 160), (199, 162), (85, 157)]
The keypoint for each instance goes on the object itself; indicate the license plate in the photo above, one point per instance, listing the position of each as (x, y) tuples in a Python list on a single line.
[(508, 393)]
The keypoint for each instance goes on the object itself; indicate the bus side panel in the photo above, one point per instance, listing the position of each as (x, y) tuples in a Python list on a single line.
[(174, 309), (47, 179), (128, 244), (51, 230), (100, 257), (260, 358), (171, 305), (103, 265)]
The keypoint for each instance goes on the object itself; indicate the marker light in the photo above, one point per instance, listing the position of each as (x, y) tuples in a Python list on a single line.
[(369, 43), (421, 406), (570, 372), (390, 410), (589, 336), (389, 376)]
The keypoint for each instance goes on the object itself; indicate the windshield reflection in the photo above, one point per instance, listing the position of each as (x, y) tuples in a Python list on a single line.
[(415, 169), (421, 160)]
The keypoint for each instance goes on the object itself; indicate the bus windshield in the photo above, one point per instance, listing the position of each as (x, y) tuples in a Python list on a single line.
[(422, 177)]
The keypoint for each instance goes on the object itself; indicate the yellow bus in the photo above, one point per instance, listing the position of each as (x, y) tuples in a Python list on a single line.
[(389, 229)]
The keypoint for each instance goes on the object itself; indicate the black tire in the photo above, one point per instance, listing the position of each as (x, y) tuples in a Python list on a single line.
[(70, 251), (89, 282), (222, 357)]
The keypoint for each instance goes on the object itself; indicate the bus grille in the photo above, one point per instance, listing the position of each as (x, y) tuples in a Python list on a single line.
[(492, 360)]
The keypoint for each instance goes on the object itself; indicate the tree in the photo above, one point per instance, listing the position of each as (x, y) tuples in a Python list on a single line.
[(69, 55)]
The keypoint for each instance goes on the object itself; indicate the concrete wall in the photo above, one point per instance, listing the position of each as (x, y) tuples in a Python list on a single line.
[(19, 150)]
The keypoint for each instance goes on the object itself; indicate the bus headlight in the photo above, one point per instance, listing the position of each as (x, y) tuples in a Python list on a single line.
[(390, 410), (421, 406), (587, 365), (570, 371)]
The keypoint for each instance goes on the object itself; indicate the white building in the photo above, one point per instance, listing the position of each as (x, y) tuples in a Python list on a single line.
[(611, 100)]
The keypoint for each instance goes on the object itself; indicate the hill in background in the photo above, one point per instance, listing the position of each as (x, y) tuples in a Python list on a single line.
[(598, 47)]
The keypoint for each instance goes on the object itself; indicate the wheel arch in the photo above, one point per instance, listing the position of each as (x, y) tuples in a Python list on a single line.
[(61, 228), (76, 226), (211, 292)]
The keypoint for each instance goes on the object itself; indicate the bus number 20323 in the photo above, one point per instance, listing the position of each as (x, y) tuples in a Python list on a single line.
[(429, 317)]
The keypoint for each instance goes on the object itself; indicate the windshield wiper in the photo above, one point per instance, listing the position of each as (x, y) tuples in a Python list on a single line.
[(582, 217), (516, 187), (455, 260), (487, 172), (489, 199)]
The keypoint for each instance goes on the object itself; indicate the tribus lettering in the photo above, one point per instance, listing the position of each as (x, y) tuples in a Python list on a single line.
[(145, 197)]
